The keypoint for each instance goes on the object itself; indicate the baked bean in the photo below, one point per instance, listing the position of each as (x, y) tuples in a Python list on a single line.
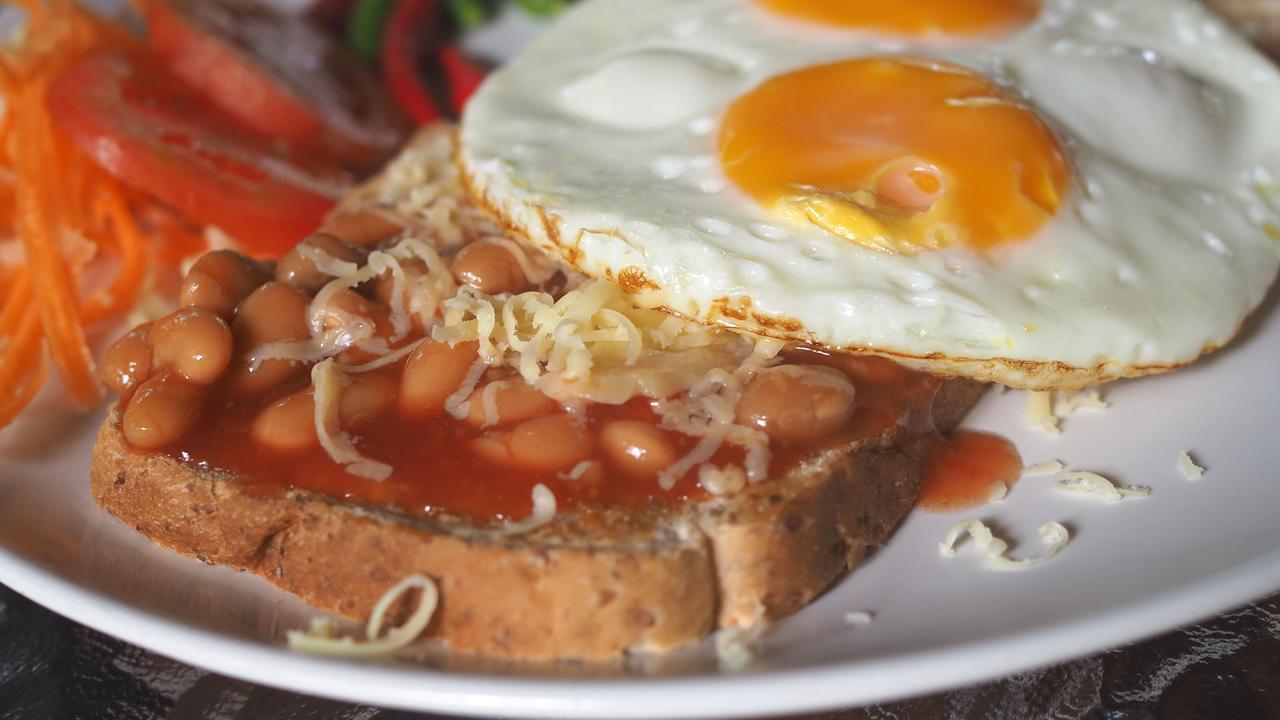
[(369, 396), (273, 312), (220, 280), (872, 370), (493, 448), (554, 442), (194, 342), (591, 480), (164, 408), (296, 269), (384, 284), (637, 448), (127, 361), (868, 372), (334, 310), (365, 227), (513, 400), (341, 308), (489, 267), (795, 403), (545, 444), (287, 424), (432, 373)]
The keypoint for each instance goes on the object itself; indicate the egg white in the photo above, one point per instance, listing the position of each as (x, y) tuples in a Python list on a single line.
[(599, 142)]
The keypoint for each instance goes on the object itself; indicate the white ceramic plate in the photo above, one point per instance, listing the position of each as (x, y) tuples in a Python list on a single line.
[(1190, 550)]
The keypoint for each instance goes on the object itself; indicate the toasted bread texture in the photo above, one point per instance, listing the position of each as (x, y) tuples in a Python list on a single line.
[(589, 585)]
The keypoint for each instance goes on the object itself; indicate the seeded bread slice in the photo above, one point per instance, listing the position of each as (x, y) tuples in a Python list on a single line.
[(589, 585)]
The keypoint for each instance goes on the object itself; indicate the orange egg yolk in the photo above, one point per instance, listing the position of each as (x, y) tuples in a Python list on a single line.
[(897, 155), (913, 17)]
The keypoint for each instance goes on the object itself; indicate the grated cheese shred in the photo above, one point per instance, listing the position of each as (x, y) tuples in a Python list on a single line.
[(544, 511), (708, 412), (459, 403), (1068, 403), (320, 639), (1040, 413), (537, 335), (328, 382), (577, 471), (706, 447), (995, 550), (1044, 468), (1190, 470), (1046, 410), (326, 263), (736, 648), (422, 298), (489, 403), (999, 491), (721, 480), (381, 362), (1091, 483)]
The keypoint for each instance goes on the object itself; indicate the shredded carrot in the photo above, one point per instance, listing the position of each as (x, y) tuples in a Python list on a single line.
[(26, 377), (16, 305), (19, 336), (8, 284), (122, 293), (60, 212), (182, 239), (6, 127), (37, 200)]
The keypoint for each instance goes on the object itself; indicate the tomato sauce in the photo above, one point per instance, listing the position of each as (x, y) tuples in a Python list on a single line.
[(434, 471), (967, 469)]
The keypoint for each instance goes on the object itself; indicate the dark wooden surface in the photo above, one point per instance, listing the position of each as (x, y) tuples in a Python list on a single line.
[(1228, 667)]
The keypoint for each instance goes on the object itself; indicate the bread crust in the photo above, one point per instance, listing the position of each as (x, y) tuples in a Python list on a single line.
[(589, 585)]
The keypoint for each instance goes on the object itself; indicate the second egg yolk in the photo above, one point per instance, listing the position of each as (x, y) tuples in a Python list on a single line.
[(966, 18), (898, 155)]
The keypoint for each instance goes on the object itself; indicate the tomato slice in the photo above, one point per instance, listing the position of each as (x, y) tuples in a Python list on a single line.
[(154, 134), (280, 76)]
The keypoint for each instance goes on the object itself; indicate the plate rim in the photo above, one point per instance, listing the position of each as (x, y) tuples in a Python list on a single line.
[(750, 693)]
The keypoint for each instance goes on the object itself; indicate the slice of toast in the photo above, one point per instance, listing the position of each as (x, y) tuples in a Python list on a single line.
[(589, 584)]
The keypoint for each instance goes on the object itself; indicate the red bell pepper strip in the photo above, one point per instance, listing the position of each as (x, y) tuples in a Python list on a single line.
[(413, 27), (462, 75), (401, 50)]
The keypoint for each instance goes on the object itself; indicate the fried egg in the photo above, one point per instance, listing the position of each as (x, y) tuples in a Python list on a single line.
[(1045, 195)]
